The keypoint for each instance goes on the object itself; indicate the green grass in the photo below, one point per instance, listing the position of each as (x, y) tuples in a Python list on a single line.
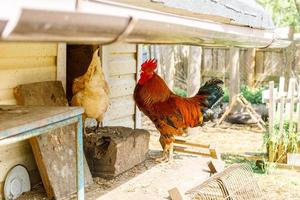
[(259, 167)]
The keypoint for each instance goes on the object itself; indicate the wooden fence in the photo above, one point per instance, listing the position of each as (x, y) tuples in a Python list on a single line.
[(266, 65), (257, 67), (284, 118)]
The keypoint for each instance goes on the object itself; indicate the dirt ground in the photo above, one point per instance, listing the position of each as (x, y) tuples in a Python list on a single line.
[(276, 184)]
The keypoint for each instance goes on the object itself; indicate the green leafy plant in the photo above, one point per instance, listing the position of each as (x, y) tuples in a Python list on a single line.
[(253, 95), (284, 13), (226, 94)]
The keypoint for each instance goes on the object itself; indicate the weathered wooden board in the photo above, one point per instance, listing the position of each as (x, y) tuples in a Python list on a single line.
[(51, 91), (54, 152)]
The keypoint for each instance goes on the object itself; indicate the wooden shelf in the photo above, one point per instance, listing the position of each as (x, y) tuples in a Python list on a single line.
[(18, 119)]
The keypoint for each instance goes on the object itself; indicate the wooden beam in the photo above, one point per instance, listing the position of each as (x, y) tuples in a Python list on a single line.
[(234, 66), (61, 64), (250, 66), (139, 57)]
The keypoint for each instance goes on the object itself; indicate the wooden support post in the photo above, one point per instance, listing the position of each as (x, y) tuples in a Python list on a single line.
[(291, 112), (214, 152), (138, 115), (234, 87), (271, 119), (280, 111), (250, 66), (194, 76)]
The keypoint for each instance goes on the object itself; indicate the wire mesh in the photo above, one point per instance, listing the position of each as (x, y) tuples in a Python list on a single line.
[(234, 183)]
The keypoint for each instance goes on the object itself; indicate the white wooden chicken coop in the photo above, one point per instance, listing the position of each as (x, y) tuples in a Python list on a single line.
[(34, 37)]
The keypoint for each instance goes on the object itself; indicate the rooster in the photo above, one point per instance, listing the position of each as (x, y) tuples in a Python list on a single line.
[(91, 91), (171, 113)]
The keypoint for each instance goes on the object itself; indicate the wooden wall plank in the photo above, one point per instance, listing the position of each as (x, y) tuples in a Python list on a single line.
[(207, 62), (12, 77), (26, 62), (221, 60), (121, 67), (22, 49), (122, 85), (120, 107), (14, 154), (127, 121), (122, 48)]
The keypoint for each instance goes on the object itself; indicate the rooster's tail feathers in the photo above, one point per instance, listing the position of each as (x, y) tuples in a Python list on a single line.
[(212, 90)]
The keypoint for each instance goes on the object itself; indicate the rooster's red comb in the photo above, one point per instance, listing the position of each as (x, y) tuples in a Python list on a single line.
[(149, 65)]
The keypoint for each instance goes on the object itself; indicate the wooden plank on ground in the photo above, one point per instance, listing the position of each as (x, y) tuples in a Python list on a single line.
[(175, 194), (54, 152), (216, 166)]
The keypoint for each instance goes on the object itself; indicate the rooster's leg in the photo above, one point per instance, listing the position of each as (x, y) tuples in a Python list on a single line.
[(165, 154), (170, 151), (166, 141)]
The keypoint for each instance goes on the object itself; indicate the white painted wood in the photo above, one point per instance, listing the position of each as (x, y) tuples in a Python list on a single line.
[(61, 64), (122, 85), (120, 110), (122, 48), (127, 121), (289, 96), (119, 62), (138, 114), (271, 107), (291, 111), (280, 106), (123, 66)]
